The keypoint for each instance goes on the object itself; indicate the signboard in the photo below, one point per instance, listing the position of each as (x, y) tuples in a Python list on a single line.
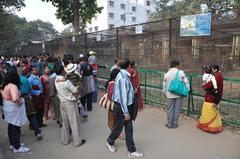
[(138, 29), (196, 25), (73, 39)]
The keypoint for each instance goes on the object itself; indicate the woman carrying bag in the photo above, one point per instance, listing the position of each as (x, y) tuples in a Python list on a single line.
[(14, 109)]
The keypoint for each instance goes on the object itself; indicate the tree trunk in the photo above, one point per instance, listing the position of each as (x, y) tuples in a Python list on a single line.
[(76, 17)]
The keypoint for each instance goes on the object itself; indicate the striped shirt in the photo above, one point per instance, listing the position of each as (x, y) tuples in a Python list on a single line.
[(123, 92)]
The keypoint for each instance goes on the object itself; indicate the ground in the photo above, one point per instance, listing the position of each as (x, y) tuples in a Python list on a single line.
[(151, 137)]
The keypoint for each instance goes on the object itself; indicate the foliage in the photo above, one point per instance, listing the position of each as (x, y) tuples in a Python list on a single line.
[(68, 31), (222, 11), (16, 30), (86, 10), (11, 5)]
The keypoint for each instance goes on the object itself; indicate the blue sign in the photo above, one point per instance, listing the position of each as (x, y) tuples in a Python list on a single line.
[(196, 25)]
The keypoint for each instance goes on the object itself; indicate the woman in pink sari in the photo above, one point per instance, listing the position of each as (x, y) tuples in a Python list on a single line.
[(135, 79)]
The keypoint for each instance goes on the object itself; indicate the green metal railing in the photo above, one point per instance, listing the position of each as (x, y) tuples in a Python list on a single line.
[(151, 84)]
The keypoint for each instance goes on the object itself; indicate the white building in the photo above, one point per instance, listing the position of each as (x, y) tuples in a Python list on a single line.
[(117, 13)]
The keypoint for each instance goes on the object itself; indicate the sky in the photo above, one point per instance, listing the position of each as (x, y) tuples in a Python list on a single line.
[(36, 9)]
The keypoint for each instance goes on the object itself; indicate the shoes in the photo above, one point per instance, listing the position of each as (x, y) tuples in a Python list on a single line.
[(175, 126), (168, 126), (135, 154), (83, 112), (89, 109), (111, 147), (12, 148), (21, 150), (30, 128), (83, 141), (39, 136), (42, 125)]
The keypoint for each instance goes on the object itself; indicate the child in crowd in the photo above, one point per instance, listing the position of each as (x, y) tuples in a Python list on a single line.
[(74, 76), (209, 81)]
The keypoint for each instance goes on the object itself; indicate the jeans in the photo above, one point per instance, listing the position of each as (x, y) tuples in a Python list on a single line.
[(87, 99), (14, 135), (119, 123), (37, 102), (39, 115), (34, 124)]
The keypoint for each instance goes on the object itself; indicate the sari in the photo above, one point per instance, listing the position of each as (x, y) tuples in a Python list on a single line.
[(210, 120), (135, 79)]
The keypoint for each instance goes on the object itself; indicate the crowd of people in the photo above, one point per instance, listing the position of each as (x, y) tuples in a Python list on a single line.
[(36, 88)]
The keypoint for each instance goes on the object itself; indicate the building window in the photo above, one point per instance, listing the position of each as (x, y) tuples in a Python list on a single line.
[(123, 6), (148, 12), (122, 17), (111, 15), (134, 19), (134, 9), (111, 3), (111, 26), (148, 3), (90, 30), (96, 28)]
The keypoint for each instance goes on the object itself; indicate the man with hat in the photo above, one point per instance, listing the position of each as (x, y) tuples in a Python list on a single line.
[(74, 76), (67, 93)]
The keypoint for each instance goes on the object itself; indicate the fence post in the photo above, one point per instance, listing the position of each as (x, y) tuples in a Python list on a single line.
[(145, 87), (170, 37), (189, 96)]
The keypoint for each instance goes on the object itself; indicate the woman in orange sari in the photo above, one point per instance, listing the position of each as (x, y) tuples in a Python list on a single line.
[(210, 120), (135, 79)]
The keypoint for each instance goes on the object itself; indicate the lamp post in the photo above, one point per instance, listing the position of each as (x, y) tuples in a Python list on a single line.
[(42, 38)]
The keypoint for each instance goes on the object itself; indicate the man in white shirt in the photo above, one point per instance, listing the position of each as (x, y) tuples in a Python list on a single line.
[(69, 109), (174, 101)]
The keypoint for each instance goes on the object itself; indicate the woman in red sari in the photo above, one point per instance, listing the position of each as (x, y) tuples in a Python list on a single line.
[(135, 79), (45, 78), (210, 120)]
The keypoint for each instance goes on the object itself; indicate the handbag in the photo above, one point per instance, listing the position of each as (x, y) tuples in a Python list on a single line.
[(178, 87), (106, 103)]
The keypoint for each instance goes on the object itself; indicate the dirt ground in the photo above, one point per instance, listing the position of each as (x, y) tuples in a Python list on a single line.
[(151, 137)]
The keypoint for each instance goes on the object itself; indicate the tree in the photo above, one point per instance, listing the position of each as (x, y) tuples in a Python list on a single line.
[(11, 5), (75, 11), (69, 31), (222, 11), (17, 30), (168, 9)]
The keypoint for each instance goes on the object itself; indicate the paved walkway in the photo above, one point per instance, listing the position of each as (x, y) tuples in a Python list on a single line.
[(151, 137)]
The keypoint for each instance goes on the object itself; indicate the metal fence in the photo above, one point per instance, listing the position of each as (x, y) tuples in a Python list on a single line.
[(151, 85), (153, 48)]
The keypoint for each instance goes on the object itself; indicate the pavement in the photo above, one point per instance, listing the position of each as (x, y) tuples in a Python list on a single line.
[(151, 137)]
